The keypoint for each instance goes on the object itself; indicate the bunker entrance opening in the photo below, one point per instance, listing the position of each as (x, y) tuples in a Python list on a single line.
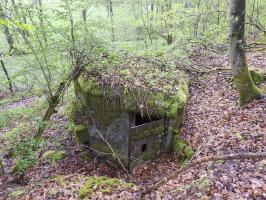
[(140, 120)]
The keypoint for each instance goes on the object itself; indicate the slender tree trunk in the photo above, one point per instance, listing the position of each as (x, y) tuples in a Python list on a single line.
[(170, 25), (40, 12), (2, 171), (7, 32), (111, 15), (243, 81), (7, 76), (218, 12), (10, 40)]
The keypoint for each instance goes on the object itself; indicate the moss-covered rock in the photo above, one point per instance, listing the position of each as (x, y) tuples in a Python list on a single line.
[(53, 156), (257, 75), (77, 126), (103, 184)]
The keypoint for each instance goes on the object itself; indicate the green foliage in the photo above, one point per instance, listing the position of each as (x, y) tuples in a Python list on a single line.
[(21, 113), (18, 141), (26, 153)]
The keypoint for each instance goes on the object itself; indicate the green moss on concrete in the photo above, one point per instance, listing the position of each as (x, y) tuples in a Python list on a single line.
[(81, 135), (104, 148), (168, 103), (165, 103), (162, 93), (80, 132), (103, 184), (257, 75)]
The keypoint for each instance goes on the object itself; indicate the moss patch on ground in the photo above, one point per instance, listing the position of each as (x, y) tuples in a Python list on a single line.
[(53, 156), (103, 184)]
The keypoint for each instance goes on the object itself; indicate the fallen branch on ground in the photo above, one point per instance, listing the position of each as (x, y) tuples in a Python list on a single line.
[(200, 161)]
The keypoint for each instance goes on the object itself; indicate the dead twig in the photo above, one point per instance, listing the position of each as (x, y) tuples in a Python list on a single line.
[(200, 161)]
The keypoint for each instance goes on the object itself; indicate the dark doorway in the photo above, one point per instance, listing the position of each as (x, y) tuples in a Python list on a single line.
[(139, 120)]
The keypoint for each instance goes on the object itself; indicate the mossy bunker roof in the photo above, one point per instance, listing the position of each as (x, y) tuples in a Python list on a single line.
[(159, 88)]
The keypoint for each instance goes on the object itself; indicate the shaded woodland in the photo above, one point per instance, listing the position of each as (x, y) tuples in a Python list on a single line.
[(132, 99)]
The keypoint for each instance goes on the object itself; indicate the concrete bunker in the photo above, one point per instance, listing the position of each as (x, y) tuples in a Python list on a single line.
[(117, 114)]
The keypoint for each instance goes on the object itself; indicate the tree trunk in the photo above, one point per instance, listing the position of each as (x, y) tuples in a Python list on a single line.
[(169, 24), (111, 15), (8, 34), (10, 40), (243, 81), (41, 17), (2, 171), (7, 76)]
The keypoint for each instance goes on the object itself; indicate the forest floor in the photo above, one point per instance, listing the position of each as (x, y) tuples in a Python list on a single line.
[(214, 124)]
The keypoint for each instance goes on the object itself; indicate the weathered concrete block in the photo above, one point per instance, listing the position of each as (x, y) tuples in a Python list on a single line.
[(129, 116)]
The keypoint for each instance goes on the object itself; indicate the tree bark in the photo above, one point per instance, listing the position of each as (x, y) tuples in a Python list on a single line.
[(41, 17), (243, 81), (2, 171), (111, 15), (81, 61), (7, 76), (7, 32)]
